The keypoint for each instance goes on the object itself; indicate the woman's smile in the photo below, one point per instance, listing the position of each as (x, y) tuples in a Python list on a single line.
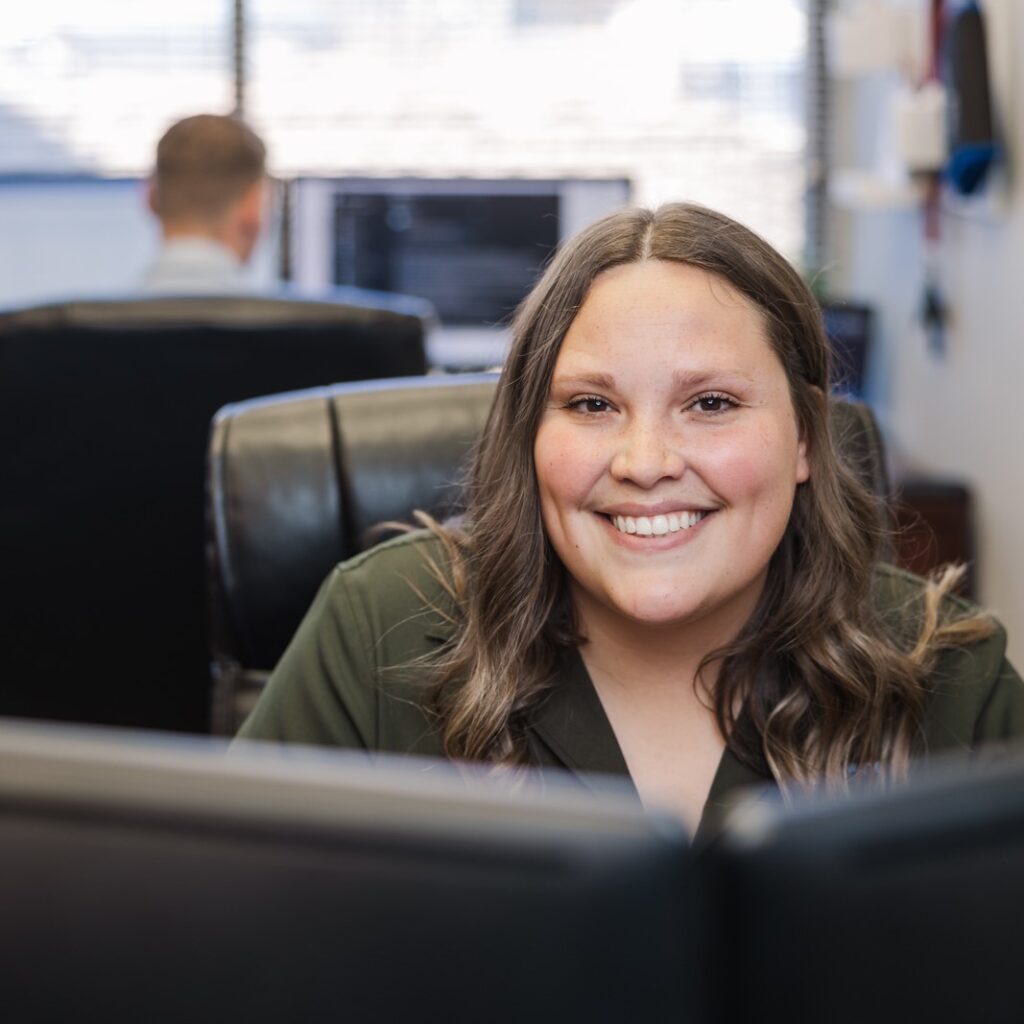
[(657, 525), (653, 533)]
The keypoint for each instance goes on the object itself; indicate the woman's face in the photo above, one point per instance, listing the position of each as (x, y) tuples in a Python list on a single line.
[(668, 454)]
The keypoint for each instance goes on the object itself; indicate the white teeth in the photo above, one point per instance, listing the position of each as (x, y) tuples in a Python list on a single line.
[(657, 526)]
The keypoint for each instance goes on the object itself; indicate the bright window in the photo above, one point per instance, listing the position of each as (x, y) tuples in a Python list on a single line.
[(690, 99)]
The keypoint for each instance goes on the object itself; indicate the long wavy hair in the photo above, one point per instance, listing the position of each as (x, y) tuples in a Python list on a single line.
[(815, 684)]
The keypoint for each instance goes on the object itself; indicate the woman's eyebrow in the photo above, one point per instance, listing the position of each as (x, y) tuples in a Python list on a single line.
[(596, 381), (693, 379)]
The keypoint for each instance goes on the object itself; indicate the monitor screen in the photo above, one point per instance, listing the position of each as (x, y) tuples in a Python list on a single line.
[(848, 326), (895, 907), (161, 881), (472, 246), (473, 256)]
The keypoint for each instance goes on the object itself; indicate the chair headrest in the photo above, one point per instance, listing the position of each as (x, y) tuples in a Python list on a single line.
[(298, 482), (341, 305)]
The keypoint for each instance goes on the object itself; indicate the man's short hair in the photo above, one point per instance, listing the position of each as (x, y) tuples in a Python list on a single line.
[(203, 165)]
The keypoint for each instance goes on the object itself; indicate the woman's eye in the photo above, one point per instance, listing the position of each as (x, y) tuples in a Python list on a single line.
[(713, 403), (589, 403)]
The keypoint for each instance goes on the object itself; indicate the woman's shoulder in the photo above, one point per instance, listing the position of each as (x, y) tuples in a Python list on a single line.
[(408, 552), (894, 585), (974, 693), (403, 584), (899, 597), (348, 677)]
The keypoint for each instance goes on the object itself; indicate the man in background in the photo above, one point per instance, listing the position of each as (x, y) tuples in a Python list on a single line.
[(209, 192)]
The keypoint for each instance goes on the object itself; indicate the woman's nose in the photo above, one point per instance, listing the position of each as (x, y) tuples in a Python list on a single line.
[(646, 455)]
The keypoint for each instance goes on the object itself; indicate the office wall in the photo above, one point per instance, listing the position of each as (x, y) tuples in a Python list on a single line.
[(79, 237), (959, 413)]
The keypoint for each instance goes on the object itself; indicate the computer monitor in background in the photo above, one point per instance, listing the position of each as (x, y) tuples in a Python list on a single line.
[(893, 907), (476, 256), (473, 247), (848, 326), (160, 881)]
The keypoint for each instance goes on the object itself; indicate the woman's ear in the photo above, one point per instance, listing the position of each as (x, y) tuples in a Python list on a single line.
[(803, 461)]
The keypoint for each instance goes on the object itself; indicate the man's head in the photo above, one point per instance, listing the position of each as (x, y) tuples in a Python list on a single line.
[(209, 182)]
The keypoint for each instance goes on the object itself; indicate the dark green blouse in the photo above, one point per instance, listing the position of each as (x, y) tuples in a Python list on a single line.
[(354, 674)]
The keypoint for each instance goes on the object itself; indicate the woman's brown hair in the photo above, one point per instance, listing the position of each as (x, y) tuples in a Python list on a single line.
[(816, 684)]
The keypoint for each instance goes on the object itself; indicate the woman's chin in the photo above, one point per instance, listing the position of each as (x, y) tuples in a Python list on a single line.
[(657, 611)]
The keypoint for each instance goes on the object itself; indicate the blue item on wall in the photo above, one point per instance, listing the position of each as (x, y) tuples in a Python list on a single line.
[(972, 139)]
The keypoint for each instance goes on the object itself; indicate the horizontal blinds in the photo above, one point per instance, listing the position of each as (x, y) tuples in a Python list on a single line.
[(90, 87)]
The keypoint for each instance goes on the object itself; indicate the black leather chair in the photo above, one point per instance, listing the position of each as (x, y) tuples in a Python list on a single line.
[(105, 410), (298, 483)]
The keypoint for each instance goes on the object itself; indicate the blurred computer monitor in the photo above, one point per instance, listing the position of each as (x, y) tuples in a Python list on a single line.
[(157, 881), (848, 326), (473, 246), (891, 907)]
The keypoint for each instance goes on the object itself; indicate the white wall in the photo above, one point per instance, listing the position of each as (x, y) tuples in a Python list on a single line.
[(69, 239), (960, 415)]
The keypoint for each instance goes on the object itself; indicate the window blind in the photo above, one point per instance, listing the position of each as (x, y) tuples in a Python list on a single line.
[(89, 88)]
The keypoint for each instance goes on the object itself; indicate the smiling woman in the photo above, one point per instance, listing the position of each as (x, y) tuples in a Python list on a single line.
[(668, 405), (665, 571)]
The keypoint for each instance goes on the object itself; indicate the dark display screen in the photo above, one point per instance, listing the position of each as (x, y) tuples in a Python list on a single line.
[(848, 326), (474, 256)]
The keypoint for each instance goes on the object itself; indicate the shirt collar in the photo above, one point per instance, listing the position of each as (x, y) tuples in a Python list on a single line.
[(195, 265), (572, 724)]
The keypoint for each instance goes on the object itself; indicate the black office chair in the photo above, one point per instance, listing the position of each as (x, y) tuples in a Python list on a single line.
[(105, 410), (298, 482)]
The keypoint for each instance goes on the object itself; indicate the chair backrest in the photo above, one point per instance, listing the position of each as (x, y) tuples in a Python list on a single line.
[(297, 483), (105, 409)]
